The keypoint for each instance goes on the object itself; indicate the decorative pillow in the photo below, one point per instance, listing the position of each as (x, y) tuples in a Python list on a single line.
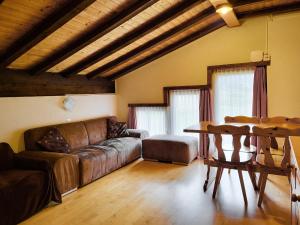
[(116, 129), (53, 141)]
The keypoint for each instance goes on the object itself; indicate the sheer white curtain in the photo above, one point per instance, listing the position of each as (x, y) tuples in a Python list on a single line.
[(152, 119), (232, 93), (183, 110)]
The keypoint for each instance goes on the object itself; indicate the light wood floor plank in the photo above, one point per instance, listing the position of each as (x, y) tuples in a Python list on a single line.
[(153, 193)]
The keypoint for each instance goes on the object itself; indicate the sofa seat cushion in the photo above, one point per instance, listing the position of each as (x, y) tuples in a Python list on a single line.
[(128, 148), (24, 187), (95, 162)]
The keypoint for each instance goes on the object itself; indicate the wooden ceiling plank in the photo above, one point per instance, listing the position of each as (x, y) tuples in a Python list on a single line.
[(96, 32), (230, 18), (269, 10), (42, 30), (186, 40), (235, 3), (132, 36), (163, 37)]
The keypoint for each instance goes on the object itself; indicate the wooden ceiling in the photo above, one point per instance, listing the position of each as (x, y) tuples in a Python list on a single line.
[(108, 38)]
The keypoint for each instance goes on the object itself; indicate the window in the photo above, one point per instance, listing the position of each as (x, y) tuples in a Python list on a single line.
[(232, 93), (183, 110), (152, 119)]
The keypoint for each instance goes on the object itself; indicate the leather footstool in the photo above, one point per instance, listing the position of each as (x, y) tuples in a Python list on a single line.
[(170, 148)]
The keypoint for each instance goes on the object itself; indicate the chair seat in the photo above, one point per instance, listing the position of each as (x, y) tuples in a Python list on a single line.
[(251, 149), (245, 157), (273, 151), (260, 159)]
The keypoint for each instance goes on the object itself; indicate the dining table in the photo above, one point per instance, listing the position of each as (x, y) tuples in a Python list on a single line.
[(201, 128)]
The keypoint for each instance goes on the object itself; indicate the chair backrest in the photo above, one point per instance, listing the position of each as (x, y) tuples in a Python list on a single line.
[(236, 132), (241, 119), (266, 134), (276, 119), (294, 120)]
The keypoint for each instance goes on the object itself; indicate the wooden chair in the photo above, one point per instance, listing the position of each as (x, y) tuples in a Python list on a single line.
[(231, 159), (278, 120), (273, 164), (294, 120), (243, 119)]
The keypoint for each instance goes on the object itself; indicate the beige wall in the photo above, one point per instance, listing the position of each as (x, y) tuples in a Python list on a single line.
[(187, 65), (284, 74), (19, 114)]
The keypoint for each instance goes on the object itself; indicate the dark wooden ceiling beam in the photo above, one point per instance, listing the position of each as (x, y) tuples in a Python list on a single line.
[(163, 37), (42, 30), (269, 10), (186, 40), (96, 32), (16, 83), (132, 36)]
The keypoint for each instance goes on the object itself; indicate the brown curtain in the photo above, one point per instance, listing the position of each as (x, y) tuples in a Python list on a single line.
[(260, 97), (205, 115), (132, 118)]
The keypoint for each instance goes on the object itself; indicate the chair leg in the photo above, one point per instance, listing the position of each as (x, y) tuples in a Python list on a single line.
[(262, 188), (217, 181), (243, 186), (252, 176), (207, 178), (259, 179)]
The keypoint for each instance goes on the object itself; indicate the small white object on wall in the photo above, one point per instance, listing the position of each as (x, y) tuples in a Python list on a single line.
[(69, 103)]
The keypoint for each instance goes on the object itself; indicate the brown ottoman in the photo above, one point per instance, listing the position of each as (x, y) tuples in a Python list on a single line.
[(170, 148)]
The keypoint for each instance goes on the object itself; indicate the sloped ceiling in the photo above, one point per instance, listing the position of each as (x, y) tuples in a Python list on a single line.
[(108, 38)]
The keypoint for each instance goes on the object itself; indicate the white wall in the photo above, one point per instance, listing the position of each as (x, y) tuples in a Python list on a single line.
[(21, 113)]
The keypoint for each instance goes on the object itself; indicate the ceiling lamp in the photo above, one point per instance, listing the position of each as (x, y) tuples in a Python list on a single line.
[(223, 9)]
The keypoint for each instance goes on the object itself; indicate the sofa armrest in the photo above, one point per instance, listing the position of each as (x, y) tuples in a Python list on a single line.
[(24, 162), (64, 167), (142, 134), (28, 163)]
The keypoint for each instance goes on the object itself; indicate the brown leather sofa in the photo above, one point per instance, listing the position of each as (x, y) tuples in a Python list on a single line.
[(95, 154), (26, 186)]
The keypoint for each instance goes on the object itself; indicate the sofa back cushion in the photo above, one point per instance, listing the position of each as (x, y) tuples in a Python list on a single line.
[(6, 157), (32, 136), (97, 129), (75, 134)]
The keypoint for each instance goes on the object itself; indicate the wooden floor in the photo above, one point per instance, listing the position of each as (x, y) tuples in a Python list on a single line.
[(162, 194)]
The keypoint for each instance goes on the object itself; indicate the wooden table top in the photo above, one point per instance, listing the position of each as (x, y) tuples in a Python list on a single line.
[(202, 126)]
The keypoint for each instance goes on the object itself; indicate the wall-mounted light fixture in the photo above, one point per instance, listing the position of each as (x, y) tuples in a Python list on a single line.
[(69, 103), (223, 9)]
